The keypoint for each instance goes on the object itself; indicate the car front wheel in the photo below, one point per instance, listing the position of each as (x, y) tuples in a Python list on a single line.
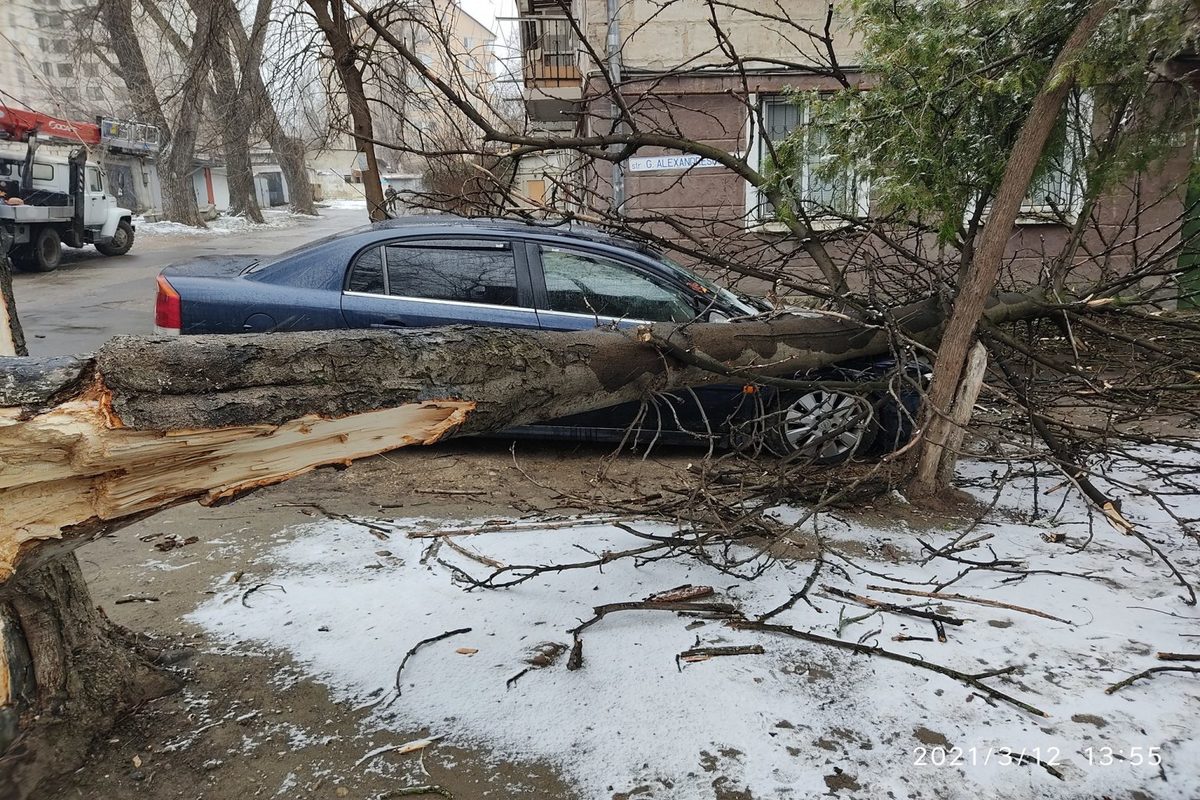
[(823, 426)]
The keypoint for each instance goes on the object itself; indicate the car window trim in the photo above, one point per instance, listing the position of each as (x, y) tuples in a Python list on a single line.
[(406, 298), (603, 318)]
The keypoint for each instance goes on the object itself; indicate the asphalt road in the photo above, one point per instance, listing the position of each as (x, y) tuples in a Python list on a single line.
[(91, 298)]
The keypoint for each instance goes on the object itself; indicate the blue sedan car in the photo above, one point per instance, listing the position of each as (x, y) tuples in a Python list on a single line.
[(439, 270)]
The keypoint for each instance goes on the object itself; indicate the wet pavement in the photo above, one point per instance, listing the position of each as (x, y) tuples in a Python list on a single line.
[(91, 298)]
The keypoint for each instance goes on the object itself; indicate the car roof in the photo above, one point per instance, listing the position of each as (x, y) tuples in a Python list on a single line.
[(451, 223)]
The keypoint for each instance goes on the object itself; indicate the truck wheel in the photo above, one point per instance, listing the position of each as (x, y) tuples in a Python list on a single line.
[(45, 253), (121, 241)]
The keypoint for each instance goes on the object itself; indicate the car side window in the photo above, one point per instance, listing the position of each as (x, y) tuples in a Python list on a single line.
[(95, 182), (582, 283), (367, 274), (461, 271)]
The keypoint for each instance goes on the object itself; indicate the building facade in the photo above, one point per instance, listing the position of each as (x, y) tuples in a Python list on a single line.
[(729, 76)]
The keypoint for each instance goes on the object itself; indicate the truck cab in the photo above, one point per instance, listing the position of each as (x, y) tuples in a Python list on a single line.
[(50, 199)]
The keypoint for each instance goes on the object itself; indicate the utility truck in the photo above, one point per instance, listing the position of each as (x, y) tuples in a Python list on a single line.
[(48, 200)]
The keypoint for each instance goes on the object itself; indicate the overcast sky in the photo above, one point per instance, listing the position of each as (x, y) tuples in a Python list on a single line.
[(486, 11)]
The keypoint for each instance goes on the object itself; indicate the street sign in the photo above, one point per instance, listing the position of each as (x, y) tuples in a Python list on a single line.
[(670, 163)]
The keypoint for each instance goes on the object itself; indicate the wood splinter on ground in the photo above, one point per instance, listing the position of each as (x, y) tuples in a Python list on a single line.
[(76, 466), (698, 654)]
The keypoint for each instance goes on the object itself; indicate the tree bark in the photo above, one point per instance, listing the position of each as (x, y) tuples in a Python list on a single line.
[(12, 338), (65, 670), (960, 414), (179, 194), (236, 123), (72, 672), (289, 150), (331, 18), (147, 423), (980, 280), (179, 139)]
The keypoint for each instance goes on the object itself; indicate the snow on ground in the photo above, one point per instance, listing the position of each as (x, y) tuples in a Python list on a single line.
[(223, 225), (350, 205), (800, 721)]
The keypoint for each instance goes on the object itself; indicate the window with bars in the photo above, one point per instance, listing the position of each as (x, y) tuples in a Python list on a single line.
[(1057, 189), (820, 192)]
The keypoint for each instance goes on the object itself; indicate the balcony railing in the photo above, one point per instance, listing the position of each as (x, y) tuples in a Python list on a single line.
[(135, 137), (550, 51)]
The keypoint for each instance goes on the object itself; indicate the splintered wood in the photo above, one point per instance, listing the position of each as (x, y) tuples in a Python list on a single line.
[(76, 466)]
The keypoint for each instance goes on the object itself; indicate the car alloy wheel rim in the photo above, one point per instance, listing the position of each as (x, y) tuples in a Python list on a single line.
[(826, 425)]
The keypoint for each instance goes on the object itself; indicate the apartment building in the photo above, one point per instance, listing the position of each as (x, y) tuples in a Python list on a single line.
[(724, 74), (48, 66)]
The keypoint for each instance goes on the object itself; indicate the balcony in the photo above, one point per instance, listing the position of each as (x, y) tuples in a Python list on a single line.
[(130, 137), (550, 67)]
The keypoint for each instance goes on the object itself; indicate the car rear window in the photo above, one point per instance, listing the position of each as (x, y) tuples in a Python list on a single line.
[(459, 271)]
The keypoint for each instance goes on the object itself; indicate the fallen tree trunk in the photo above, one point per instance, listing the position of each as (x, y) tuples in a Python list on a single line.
[(147, 423), (90, 444)]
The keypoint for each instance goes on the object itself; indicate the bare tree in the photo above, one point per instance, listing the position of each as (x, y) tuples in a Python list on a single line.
[(181, 130), (331, 18), (865, 258)]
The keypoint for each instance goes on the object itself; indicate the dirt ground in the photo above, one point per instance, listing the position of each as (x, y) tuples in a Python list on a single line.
[(245, 725)]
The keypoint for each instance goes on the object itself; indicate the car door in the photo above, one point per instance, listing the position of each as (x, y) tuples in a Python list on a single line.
[(577, 289), (439, 281)]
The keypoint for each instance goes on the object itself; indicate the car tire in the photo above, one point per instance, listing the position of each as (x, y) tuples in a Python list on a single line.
[(822, 426), (44, 253), (121, 241)]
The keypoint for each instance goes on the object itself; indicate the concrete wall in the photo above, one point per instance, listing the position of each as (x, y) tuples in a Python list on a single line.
[(331, 167), (681, 32)]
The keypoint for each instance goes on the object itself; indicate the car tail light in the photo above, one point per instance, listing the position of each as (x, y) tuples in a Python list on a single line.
[(168, 310)]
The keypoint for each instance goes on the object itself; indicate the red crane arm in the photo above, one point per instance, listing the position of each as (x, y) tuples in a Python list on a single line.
[(19, 124)]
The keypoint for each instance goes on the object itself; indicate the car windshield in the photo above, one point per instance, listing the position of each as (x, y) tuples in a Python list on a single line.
[(734, 301)]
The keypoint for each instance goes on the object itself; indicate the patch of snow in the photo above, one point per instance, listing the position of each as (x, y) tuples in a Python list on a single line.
[(290, 782), (224, 225), (350, 205), (797, 722)]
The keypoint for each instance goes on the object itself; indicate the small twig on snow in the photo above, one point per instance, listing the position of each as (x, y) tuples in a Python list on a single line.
[(256, 587), (412, 651), (1148, 673), (975, 681)]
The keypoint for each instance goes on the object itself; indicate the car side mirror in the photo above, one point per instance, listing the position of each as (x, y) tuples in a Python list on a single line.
[(717, 316)]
